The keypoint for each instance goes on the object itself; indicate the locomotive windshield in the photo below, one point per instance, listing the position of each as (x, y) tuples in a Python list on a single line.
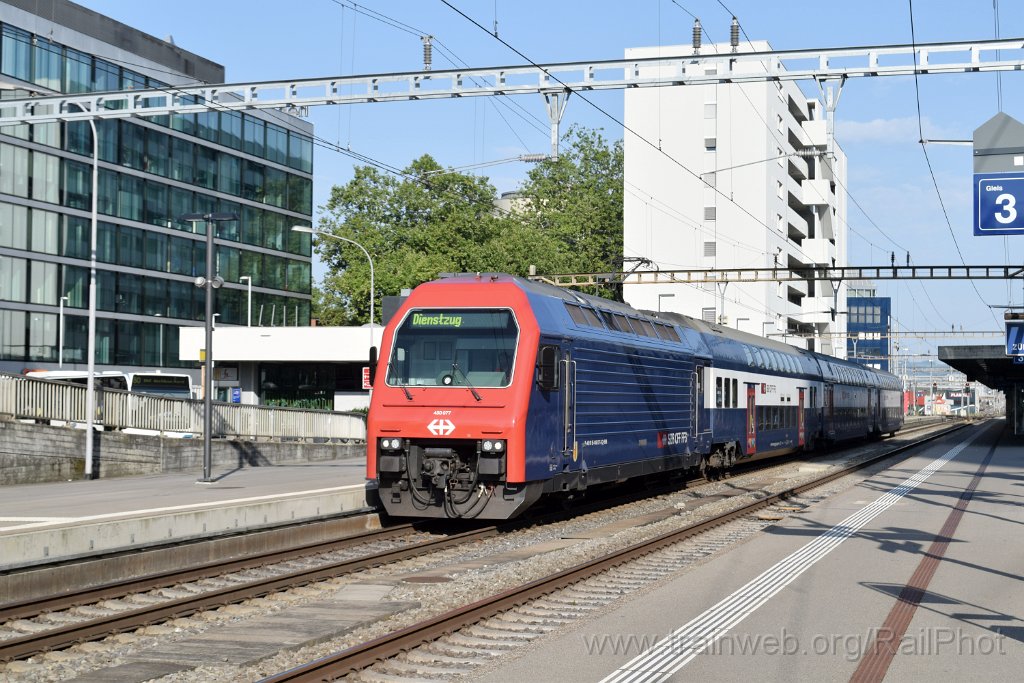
[(472, 347)]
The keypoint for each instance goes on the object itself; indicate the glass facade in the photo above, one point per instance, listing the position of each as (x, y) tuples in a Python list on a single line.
[(152, 172)]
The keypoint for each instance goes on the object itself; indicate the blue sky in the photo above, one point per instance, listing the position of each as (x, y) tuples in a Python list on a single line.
[(877, 121)]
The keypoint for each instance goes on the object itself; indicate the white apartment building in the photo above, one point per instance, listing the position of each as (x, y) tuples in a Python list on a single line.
[(742, 179)]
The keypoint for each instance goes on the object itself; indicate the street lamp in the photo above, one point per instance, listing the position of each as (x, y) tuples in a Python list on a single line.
[(60, 350), (210, 282), (663, 296), (311, 231), (248, 308)]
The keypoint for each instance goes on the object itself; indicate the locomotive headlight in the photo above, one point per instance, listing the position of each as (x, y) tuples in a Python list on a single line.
[(492, 446), (390, 444)]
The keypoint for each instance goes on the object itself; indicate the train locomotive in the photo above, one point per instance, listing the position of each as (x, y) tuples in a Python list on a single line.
[(492, 391)]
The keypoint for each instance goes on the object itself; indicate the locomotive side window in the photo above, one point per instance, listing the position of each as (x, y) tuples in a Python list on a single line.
[(622, 323), (547, 367), (592, 318), (576, 313)]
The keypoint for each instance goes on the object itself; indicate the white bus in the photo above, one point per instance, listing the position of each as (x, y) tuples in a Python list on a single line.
[(166, 384)]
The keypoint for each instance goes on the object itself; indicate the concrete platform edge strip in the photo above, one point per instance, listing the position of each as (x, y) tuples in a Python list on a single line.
[(109, 535)]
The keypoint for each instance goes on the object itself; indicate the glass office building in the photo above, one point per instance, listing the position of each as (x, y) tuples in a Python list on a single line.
[(152, 171)]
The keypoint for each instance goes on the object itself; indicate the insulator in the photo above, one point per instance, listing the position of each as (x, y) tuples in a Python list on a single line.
[(427, 52), (696, 35), (734, 34)]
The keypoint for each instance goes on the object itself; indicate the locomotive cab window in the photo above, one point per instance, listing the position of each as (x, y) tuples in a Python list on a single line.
[(454, 347)]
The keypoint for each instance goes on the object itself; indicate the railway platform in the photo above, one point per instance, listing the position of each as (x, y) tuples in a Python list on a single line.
[(47, 523), (913, 573)]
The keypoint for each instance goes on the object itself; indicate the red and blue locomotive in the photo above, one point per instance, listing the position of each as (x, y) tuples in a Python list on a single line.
[(492, 391)]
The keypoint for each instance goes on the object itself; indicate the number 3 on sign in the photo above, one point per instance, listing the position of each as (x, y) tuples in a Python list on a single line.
[(1008, 214)]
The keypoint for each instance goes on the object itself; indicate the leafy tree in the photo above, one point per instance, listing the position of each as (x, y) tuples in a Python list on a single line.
[(430, 220), (577, 199)]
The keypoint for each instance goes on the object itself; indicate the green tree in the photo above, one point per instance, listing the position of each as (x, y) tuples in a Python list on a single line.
[(430, 220), (577, 199)]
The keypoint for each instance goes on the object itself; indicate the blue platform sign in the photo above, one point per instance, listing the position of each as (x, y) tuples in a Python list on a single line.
[(999, 203), (1015, 337)]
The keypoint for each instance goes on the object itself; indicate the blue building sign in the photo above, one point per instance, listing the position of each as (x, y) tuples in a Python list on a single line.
[(1015, 337), (999, 203), (236, 395)]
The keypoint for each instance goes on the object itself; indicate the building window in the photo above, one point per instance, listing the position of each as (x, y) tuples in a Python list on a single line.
[(781, 125), (13, 273), (710, 144), (13, 226), (779, 190), (707, 315), (16, 58), (710, 110), (709, 213), (710, 178), (710, 249), (781, 156)]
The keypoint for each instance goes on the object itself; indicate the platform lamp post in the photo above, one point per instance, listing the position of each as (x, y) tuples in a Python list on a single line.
[(248, 307), (311, 231), (90, 377), (209, 283)]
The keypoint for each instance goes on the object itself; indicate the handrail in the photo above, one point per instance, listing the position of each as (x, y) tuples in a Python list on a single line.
[(63, 403)]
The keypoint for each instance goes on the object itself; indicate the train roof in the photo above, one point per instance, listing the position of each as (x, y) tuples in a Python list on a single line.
[(830, 365)]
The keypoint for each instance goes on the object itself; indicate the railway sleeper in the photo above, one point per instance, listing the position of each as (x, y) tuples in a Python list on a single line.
[(501, 634), (409, 669), (426, 655), (518, 627), (497, 647), (522, 616), (446, 647)]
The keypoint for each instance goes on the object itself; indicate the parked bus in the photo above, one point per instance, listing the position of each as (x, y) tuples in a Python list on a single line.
[(169, 385)]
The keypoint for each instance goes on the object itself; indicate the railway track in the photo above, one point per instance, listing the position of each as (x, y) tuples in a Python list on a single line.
[(513, 617), (176, 594), (58, 622)]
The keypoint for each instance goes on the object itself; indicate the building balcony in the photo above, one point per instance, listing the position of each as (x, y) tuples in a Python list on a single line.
[(818, 251), (816, 133), (816, 193), (798, 228), (798, 168)]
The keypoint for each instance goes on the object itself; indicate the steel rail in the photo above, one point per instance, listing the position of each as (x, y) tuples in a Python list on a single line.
[(362, 656), (65, 636)]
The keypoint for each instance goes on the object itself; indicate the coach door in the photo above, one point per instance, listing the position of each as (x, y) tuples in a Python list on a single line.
[(556, 373), (830, 410), (570, 448), (801, 428), (751, 419)]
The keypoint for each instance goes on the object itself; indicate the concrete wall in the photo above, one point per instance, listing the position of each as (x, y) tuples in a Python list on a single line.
[(32, 453)]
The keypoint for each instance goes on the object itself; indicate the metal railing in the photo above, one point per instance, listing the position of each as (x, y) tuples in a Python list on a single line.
[(63, 403)]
